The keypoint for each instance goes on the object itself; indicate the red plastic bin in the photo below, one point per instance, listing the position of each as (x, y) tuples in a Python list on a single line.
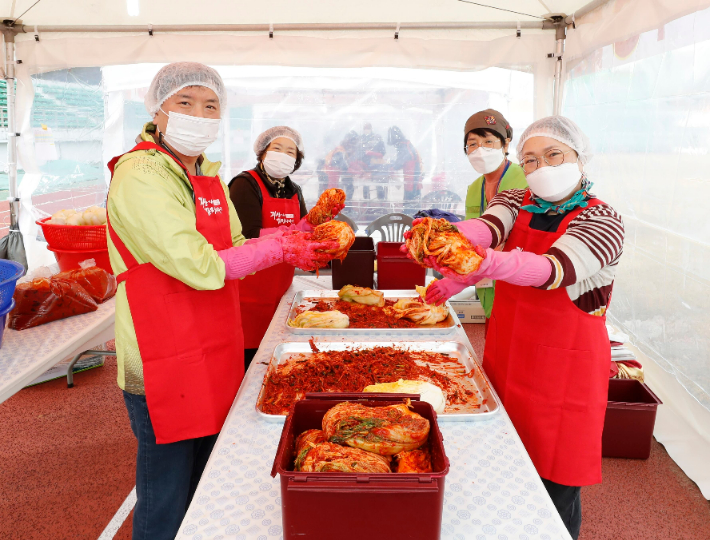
[(395, 270), (357, 506), (73, 237), (630, 418), (70, 259)]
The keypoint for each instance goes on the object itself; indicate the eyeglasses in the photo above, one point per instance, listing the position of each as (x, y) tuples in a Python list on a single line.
[(553, 157), (474, 145)]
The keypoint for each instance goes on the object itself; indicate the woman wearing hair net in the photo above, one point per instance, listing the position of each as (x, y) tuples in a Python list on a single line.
[(268, 202), (177, 247), (547, 349)]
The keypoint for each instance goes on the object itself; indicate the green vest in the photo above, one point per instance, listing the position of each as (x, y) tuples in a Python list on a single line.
[(514, 178)]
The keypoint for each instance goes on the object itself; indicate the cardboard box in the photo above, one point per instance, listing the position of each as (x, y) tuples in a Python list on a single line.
[(469, 311)]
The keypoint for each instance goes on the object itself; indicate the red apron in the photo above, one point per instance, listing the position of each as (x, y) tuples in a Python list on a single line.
[(549, 362), (262, 292), (190, 341)]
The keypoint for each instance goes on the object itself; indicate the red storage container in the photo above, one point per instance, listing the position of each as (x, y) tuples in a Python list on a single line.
[(395, 270), (358, 266), (358, 506), (629, 421), (69, 260)]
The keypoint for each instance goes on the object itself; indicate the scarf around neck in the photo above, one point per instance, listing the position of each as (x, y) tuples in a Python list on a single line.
[(278, 183), (580, 198)]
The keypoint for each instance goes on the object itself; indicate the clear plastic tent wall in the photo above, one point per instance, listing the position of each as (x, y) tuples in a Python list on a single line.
[(645, 103), (399, 87), (330, 108)]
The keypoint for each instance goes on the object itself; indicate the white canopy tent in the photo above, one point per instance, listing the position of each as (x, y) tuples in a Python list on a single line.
[(576, 41)]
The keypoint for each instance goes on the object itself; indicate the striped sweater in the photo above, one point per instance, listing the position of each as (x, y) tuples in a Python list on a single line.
[(584, 258)]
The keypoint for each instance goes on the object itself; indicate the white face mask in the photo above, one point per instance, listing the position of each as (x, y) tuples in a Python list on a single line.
[(190, 135), (486, 160), (278, 164), (554, 183)]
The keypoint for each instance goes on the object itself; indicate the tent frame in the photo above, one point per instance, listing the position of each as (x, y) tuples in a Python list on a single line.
[(10, 28)]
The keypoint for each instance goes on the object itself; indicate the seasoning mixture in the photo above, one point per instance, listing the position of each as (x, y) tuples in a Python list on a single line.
[(353, 370)]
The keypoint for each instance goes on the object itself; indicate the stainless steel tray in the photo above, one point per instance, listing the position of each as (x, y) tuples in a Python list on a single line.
[(477, 382), (301, 298)]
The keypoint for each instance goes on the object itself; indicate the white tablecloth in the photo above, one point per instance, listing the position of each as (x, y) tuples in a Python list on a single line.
[(27, 354), (492, 490)]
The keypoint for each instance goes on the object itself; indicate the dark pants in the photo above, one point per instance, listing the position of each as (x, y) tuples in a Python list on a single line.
[(249, 355), (166, 475), (568, 502)]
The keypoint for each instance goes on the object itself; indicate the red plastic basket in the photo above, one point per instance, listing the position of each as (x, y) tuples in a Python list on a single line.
[(74, 237)]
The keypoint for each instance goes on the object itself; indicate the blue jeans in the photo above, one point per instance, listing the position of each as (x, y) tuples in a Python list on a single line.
[(166, 475)]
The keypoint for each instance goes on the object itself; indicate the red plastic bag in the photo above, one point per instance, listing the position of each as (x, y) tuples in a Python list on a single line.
[(96, 281), (45, 300)]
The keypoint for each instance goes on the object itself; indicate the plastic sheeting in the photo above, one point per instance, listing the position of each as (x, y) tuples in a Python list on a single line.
[(645, 104), (93, 114)]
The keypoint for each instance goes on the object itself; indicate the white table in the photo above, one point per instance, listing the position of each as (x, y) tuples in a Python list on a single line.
[(492, 490), (27, 354)]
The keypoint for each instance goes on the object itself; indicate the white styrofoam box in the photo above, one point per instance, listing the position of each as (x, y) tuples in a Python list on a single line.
[(469, 311)]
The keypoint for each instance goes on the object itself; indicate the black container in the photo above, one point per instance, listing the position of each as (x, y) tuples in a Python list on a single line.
[(358, 267), (630, 418)]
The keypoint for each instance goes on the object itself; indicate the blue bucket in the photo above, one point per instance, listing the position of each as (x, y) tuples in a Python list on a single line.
[(10, 272), (3, 319)]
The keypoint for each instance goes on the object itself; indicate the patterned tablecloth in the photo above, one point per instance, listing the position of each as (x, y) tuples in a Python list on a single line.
[(27, 354), (492, 490)]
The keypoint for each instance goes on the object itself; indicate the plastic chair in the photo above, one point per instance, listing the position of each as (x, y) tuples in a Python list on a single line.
[(391, 227), (345, 219)]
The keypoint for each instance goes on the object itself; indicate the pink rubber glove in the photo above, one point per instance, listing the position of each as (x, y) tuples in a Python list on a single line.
[(302, 252), (476, 231), (302, 225), (295, 249), (251, 257), (516, 267), (440, 291)]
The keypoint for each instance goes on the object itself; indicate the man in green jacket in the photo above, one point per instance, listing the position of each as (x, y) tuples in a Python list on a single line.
[(487, 136)]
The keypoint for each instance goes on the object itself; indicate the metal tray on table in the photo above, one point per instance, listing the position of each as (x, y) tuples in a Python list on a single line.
[(302, 298), (464, 370)]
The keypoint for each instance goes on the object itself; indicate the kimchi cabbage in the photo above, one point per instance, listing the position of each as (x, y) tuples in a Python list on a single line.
[(418, 312), (440, 239), (382, 430), (320, 319), (362, 295), (337, 231), (323, 210)]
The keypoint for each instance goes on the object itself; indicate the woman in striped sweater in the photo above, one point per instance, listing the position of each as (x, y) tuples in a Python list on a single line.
[(547, 351)]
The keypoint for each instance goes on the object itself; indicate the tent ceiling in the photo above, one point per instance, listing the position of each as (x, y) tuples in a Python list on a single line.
[(145, 12)]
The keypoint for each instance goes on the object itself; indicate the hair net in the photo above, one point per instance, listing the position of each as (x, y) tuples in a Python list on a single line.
[(264, 140), (561, 129), (174, 77)]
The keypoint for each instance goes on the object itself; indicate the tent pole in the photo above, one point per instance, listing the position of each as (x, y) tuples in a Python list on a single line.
[(559, 52), (293, 27), (12, 134), (581, 12)]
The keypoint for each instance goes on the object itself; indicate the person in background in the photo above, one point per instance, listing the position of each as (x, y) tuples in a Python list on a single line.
[(487, 136), (267, 201), (337, 163), (547, 350), (372, 153), (176, 245), (410, 163)]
